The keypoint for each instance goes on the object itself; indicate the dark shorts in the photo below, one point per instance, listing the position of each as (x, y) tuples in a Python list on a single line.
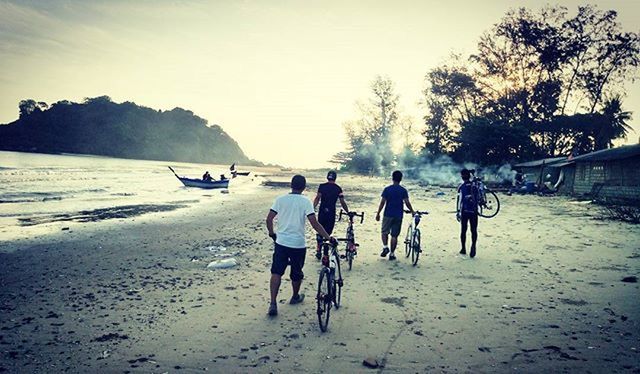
[(328, 221), (469, 218), (283, 256), (391, 225)]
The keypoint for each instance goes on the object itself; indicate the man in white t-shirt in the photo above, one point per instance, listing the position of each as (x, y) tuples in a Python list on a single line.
[(292, 210)]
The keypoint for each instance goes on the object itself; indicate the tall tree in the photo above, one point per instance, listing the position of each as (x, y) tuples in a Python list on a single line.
[(541, 71), (369, 136)]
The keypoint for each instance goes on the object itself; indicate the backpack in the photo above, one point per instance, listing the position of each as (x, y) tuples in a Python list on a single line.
[(468, 198)]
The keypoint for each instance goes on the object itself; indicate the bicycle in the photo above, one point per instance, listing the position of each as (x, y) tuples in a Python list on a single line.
[(412, 240), (489, 204), (330, 283), (351, 247)]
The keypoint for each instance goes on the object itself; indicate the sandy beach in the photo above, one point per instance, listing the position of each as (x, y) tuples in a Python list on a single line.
[(545, 293)]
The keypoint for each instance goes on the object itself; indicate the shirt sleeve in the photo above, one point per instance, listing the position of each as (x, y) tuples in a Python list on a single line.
[(276, 205), (340, 192), (405, 193), (309, 208), (384, 193)]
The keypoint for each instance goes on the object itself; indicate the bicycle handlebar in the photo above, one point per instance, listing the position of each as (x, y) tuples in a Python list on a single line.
[(418, 212), (351, 215), (325, 241)]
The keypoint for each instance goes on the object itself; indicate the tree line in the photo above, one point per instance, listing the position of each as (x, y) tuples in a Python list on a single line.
[(540, 84), (100, 126)]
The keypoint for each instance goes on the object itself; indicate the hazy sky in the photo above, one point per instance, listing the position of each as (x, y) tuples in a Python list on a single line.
[(279, 76)]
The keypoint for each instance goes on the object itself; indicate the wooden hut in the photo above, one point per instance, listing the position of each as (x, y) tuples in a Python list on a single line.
[(608, 174), (536, 171)]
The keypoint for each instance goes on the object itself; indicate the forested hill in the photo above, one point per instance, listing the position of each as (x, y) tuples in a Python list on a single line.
[(99, 126)]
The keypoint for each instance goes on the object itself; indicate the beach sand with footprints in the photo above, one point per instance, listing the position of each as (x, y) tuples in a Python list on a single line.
[(553, 288)]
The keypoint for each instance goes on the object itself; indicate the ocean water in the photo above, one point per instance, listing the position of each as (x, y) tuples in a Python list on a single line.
[(40, 190)]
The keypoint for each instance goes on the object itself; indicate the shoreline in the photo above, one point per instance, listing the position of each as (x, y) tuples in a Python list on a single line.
[(544, 293)]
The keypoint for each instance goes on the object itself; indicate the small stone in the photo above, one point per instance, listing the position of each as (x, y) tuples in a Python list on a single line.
[(631, 279), (370, 362)]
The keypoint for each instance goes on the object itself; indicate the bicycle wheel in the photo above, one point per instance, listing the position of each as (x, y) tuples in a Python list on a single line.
[(349, 256), (407, 242), (491, 206), (324, 299), (415, 248), (337, 283), (349, 253)]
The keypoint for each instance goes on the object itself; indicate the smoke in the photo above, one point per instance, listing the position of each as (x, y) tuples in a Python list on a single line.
[(443, 171)]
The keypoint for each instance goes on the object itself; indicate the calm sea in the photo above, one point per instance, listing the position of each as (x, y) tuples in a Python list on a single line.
[(54, 190)]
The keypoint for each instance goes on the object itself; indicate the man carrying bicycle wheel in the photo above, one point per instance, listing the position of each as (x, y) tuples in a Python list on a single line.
[(467, 211), (292, 210), (328, 195), (393, 198)]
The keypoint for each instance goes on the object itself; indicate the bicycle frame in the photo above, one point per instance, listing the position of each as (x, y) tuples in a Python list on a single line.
[(329, 271), (351, 247), (412, 240), (477, 182)]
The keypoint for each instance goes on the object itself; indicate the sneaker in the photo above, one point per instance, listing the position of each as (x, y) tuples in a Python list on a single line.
[(297, 299), (385, 252), (463, 251), (318, 255), (392, 256), (273, 310), (472, 254)]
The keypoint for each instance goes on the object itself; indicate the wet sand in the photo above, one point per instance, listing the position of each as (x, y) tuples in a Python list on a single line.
[(545, 293)]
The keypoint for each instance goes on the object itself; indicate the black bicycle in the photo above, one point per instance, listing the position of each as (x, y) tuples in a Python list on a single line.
[(489, 204), (330, 283), (351, 249), (412, 240)]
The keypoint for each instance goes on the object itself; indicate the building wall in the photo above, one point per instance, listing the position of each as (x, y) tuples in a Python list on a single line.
[(535, 173), (568, 172), (612, 179)]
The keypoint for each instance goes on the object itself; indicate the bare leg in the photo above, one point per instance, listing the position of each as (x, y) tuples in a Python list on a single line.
[(394, 243), (385, 239), (463, 234), (296, 287), (275, 286), (474, 234)]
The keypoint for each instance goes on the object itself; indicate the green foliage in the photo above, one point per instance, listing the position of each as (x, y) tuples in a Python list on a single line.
[(496, 142), (101, 127), (511, 99), (369, 136)]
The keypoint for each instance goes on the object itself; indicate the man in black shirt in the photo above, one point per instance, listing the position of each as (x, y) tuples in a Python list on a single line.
[(328, 195)]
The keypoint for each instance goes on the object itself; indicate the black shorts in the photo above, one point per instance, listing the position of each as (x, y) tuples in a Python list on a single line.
[(471, 218), (283, 256), (328, 221)]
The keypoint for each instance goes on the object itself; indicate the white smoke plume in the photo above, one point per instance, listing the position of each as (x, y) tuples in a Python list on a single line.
[(443, 171)]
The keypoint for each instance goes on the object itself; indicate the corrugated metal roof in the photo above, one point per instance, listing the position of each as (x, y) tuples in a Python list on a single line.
[(618, 153), (561, 164), (545, 161)]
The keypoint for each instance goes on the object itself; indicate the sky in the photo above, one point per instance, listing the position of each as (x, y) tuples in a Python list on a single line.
[(281, 77)]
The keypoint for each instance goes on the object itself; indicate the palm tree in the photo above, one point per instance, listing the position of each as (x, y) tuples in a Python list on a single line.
[(615, 124)]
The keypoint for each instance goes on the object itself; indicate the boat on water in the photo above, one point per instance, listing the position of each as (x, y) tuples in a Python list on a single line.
[(193, 182), (236, 173)]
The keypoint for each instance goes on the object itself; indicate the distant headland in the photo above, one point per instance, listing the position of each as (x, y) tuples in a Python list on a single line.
[(99, 126)]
